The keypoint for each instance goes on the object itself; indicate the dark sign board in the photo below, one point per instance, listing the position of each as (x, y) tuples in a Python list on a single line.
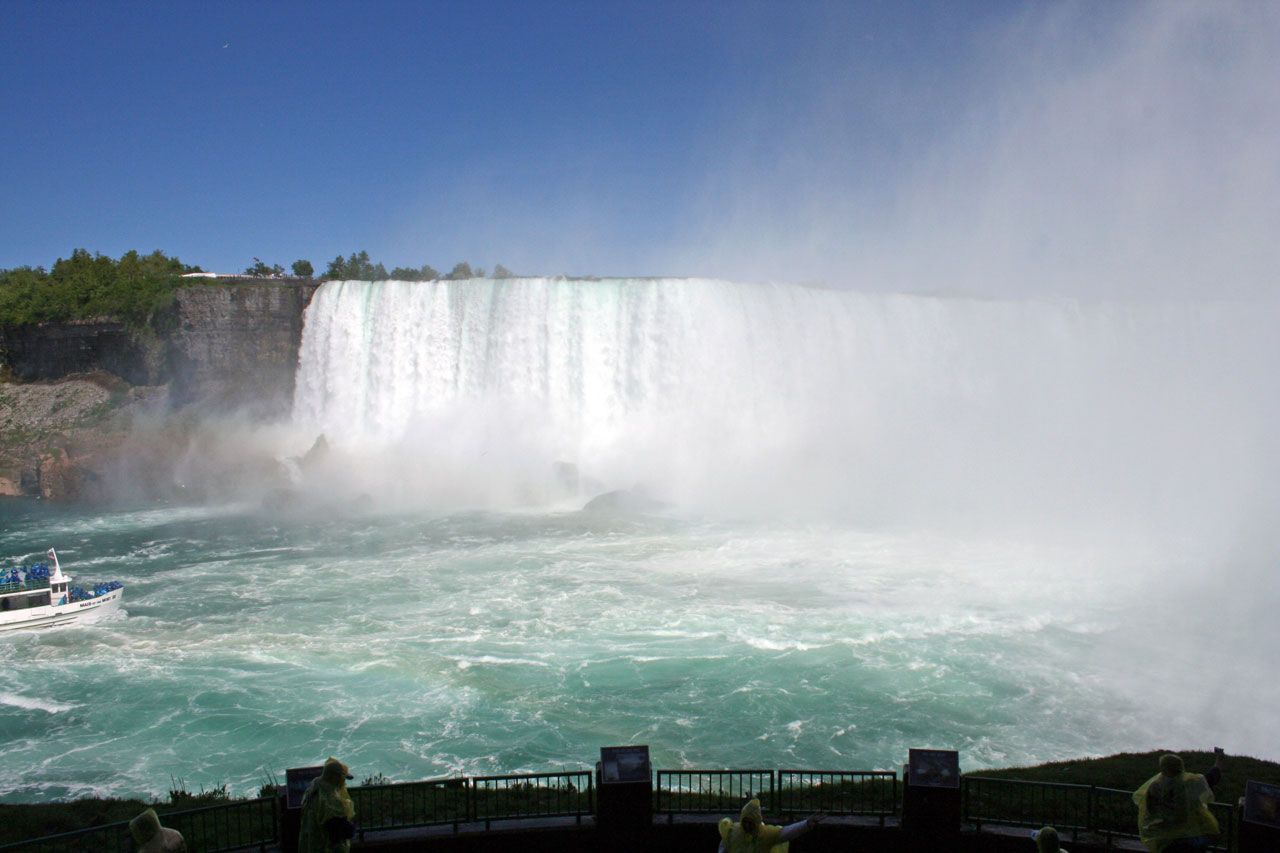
[(296, 780), (934, 768), (624, 764), (1262, 803)]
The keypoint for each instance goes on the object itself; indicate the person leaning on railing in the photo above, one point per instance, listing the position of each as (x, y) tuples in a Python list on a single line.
[(752, 835), (1173, 807), (154, 838)]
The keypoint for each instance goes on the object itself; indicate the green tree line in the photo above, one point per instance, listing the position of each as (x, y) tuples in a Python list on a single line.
[(131, 289), (358, 267), (135, 287)]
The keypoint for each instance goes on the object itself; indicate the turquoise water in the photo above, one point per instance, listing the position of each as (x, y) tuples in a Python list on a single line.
[(480, 643), (1028, 531)]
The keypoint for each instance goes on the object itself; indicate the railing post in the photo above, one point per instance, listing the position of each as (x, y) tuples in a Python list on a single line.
[(1089, 813)]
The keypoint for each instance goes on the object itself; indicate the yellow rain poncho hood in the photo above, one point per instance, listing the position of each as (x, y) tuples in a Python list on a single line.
[(1047, 840), (326, 799), (757, 837), (154, 838), (1173, 806)]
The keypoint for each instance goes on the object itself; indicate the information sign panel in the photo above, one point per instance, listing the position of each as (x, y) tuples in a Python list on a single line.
[(624, 764), (934, 768), (1262, 803), (296, 781)]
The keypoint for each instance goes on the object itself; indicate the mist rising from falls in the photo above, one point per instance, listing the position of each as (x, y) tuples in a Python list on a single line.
[(788, 400)]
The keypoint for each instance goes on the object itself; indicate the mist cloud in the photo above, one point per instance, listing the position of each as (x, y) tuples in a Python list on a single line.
[(1117, 152)]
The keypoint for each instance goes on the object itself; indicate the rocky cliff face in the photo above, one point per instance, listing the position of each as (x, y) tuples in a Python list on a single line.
[(78, 393), (57, 350), (237, 346)]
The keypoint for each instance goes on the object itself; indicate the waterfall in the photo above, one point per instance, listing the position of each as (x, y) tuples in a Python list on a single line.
[(784, 398)]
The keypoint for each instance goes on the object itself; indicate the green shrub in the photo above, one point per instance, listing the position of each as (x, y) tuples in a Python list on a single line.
[(133, 290)]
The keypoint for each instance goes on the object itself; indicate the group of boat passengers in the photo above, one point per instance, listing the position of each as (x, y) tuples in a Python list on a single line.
[(38, 575), (1173, 817)]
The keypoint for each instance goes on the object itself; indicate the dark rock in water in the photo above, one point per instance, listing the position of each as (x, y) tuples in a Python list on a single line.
[(624, 500), (318, 453)]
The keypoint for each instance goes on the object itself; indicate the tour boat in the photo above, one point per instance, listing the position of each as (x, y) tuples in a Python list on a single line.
[(41, 596)]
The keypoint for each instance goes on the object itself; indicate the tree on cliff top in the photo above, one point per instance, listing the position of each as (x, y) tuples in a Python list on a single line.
[(425, 273), (303, 269), (357, 268), (86, 286), (461, 270), (261, 270)]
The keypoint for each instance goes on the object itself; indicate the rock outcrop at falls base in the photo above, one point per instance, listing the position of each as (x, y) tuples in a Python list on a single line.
[(88, 406)]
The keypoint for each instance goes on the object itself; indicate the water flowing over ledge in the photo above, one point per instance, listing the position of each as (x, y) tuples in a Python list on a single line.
[(784, 398)]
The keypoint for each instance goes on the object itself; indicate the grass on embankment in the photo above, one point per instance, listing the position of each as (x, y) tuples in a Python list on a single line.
[(1125, 771), (24, 822), (1128, 770)]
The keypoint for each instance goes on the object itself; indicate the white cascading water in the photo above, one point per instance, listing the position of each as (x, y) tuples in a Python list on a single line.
[(781, 399), (1029, 531)]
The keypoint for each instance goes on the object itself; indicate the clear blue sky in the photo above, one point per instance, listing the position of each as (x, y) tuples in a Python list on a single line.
[(750, 140)]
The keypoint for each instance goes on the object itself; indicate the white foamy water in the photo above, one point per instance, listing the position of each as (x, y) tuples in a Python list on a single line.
[(1025, 531), (780, 400)]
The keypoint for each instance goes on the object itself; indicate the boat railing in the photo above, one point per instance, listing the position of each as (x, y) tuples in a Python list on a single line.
[(28, 585)]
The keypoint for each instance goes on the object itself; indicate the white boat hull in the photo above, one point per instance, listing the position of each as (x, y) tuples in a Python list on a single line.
[(61, 614)]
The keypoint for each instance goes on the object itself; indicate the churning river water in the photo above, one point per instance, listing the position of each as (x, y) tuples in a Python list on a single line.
[(879, 523)]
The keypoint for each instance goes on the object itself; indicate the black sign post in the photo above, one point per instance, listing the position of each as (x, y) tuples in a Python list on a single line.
[(624, 799), (296, 782), (931, 800), (1260, 820)]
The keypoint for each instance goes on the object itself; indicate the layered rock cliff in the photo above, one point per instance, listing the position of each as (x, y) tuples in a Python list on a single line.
[(237, 346), (88, 406)]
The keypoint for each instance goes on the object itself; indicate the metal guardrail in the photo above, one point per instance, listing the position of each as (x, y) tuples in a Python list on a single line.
[(255, 824), (1107, 812), (831, 792), (532, 795), (711, 791), (410, 804), (1022, 803), (29, 585), (243, 825), (112, 838)]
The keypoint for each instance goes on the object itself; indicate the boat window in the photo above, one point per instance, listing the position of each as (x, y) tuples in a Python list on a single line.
[(22, 602)]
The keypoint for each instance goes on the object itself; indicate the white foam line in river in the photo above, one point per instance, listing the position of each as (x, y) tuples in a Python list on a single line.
[(32, 704)]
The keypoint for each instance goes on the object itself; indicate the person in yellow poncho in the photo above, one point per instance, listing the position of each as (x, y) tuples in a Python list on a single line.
[(752, 835), (154, 838), (327, 811), (1046, 840), (1173, 809)]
